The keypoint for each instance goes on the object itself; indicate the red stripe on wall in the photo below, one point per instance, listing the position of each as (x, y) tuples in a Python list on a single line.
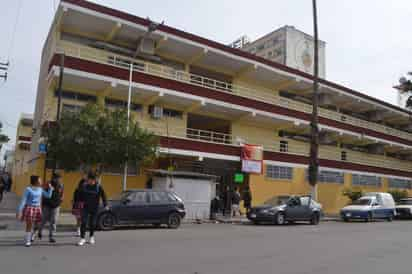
[(119, 73)]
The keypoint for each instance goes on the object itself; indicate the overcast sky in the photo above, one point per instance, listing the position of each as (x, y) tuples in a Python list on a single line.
[(369, 45)]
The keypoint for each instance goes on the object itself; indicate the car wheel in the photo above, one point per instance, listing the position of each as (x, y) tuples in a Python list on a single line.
[(106, 221), (280, 219), (390, 218), (314, 220), (369, 218), (256, 222), (345, 220), (157, 225), (173, 220)]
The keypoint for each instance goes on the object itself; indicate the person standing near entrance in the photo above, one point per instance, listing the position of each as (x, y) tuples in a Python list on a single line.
[(90, 194), (247, 199), (235, 203), (29, 210), (51, 207)]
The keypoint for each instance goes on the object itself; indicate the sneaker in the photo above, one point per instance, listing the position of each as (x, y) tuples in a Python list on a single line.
[(28, 244), (52, 240), (81, 242), (33, 237), (92, 240)]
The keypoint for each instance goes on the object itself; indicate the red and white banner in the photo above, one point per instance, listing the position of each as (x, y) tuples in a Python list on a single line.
[(252, 158)]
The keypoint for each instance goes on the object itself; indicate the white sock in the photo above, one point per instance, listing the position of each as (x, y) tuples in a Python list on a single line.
[(28, 237)]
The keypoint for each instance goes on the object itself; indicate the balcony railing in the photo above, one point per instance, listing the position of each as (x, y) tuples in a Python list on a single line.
[(275, 145), (104, 57)]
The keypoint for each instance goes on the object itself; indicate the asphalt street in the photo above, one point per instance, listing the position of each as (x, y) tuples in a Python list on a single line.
[(331, 247)]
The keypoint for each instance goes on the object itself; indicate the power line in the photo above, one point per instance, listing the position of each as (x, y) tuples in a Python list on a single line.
[(13, 34)]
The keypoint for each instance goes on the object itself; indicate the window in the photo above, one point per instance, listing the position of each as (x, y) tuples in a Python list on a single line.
[(324, 176), (159, 197), (76, 96), (279, 172), (399, 183), (139, 197), (109, 102), (366, 180), (71, 108), (343, 156), (283, 146), (168, 112)]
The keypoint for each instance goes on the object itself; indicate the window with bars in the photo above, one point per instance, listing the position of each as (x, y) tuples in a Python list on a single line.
[(399, 183), (168, 112), (366, 180), (71, 108), (115, 103), (343, 156), (283, 146), (279, 172), (76, 96), (333, 177)]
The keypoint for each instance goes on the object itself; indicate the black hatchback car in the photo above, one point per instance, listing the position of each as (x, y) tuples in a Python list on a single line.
[(296, 208), (134, 207)]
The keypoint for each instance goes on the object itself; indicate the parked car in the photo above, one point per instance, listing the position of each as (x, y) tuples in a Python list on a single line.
[(142, 207), (373, 205), (404, 209), (296, 208)]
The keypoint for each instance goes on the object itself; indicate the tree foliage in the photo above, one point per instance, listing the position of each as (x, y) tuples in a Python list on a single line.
[(398, 194), (96, 137), (405, 86), (352, 193), (3, 138)]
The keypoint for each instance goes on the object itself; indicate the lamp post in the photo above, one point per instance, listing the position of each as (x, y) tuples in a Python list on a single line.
[(314, 129)]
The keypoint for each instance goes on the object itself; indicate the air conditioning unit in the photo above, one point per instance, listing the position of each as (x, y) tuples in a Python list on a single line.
[(157, 112)]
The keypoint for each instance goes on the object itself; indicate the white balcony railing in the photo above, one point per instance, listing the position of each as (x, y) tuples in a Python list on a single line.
[(104, 57), (292, 147)]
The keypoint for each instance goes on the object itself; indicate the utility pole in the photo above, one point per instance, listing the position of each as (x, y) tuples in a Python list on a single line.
[(314, 129), (4, 67), (59, 102)]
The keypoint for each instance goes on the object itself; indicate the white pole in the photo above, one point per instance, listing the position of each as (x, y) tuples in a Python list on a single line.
[(129, 98)]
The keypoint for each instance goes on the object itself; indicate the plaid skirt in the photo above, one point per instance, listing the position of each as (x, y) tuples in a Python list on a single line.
[(31, 214), (77, 209)]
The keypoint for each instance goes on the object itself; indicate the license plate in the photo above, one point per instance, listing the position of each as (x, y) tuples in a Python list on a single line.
[(348, 214), (252, 215)]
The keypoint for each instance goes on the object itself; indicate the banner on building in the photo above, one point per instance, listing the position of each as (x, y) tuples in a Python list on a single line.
[(252, 158)]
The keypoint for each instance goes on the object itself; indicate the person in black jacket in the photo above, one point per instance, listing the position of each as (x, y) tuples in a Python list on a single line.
[(247, 199), (51, 207), (77, 205), (90, 194)]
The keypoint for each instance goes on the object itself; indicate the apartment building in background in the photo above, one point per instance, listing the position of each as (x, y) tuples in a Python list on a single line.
[(205, 100)]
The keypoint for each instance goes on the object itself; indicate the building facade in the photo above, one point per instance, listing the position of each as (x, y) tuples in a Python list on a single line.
[(204, 100), (291, 47)]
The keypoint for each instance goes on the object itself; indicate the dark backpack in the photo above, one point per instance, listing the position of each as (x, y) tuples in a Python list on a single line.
[(56, 198)]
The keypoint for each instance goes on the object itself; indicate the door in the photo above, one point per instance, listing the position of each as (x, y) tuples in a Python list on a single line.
[(159, 206), (298, 209), (134, 207)]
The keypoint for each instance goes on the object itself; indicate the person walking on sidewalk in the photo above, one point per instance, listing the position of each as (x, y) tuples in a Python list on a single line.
[(247, 199), (78, 205), (235, 203), (51, 207), (90, 194), (2, 187), (29, 210)]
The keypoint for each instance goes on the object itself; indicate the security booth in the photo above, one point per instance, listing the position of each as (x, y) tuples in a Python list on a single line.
[(196, 189)]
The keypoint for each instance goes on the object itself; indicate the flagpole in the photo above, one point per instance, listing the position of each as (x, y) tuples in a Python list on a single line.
[(129, 98)]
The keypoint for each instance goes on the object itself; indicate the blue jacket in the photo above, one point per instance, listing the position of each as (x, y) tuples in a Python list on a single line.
[(32, 197)]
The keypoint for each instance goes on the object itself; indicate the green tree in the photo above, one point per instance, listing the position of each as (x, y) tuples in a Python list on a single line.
[(352, 193), (3, 138), (405, 87), (398, 194), (96, 137)]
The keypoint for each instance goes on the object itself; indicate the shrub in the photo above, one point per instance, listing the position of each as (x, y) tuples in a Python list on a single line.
[(398, 194), (352, 194)]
